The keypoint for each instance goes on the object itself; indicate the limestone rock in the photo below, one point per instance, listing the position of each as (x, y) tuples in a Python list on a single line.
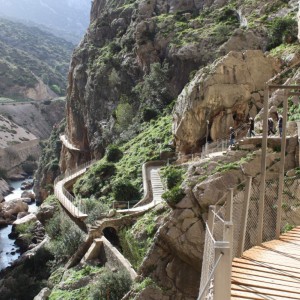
[(45, 213), (26, 219), (43, 294), (13, 207), (28, 194), (220, 94)]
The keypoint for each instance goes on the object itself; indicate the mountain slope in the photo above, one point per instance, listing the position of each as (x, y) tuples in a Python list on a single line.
[(66, 18), (29, 58)]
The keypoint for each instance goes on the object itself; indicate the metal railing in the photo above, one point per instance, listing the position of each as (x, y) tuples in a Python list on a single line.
[(74, 205), (216, 269), (244, 209), (222, 143)]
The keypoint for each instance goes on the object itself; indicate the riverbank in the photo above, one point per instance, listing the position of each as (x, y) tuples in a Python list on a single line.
[(9, 251)]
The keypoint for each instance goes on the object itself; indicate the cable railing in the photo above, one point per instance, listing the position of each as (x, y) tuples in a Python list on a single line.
[(74, 205), (244, 210), (222, 143), (216, 268)]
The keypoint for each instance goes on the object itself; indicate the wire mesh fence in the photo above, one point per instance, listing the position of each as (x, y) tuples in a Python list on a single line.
[(206, 285)]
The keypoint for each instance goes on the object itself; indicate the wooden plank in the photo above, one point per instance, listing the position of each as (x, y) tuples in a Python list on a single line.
[(269, 278), (266, 291), (266, 267), (237, 294), (265, 285)]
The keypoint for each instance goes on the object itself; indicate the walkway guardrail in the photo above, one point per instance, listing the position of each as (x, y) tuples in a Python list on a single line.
[(216, 268), (244, 209), (75, 206)]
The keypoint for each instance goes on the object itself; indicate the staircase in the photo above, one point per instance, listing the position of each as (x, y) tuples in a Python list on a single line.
[(157, 187)]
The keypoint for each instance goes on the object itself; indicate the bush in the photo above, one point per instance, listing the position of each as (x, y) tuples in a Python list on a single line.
[(111, 286), (124, 190), (173, 196), (172, 176), (113, 153), (105, 169), (282, 30), (149, 114), (65, 236)]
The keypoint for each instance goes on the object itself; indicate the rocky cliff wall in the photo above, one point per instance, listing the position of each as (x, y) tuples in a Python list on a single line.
[(123, 40), (224, 94), (12, 157)]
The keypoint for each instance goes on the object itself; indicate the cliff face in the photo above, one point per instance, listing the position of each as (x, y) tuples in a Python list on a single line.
[(113, 68), (124, 39)]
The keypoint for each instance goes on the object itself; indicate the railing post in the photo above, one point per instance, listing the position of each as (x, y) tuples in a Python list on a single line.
[(222, 280), (244, 218), (281, 171), (229, 205), (263, 168), (211, 218), (128, 204)]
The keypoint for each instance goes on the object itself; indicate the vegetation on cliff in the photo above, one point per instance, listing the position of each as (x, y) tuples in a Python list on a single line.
[(107, 181), (28, 55)]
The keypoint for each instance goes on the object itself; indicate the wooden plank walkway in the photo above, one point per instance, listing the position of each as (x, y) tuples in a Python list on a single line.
[(270, 271)]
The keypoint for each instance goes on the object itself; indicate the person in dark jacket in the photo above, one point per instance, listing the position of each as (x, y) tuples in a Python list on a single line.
[(251, 127), (280, 125), (231, 136), (270, 126)]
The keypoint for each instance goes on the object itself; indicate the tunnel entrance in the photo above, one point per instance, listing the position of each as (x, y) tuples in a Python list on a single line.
[(111, 234)]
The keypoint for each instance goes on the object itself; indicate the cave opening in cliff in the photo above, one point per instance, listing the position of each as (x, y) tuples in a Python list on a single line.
[(111, 234)]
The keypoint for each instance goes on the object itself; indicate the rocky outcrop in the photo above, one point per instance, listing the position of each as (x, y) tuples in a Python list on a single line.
[(4, 189), (121, 44), (222, 94), (10, 209)]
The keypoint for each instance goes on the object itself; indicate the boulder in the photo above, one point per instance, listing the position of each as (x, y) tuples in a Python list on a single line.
[(45, 213), (28, 194), (27, 185), (220, 94), (26, 219), (12, 208)]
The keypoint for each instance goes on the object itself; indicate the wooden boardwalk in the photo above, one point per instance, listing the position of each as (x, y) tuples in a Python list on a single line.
[(270, 271)]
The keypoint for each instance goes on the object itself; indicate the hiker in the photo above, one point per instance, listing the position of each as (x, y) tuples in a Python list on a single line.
[(270, 126), (280, 125), (231, 136), (251, 127)]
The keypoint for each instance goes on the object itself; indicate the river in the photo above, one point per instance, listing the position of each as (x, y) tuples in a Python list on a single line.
[(8, 249)]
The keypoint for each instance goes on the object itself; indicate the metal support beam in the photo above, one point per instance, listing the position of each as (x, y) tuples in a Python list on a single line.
[(263, 168), (222, 280), (244, 218), (281, 170), (229, 205)]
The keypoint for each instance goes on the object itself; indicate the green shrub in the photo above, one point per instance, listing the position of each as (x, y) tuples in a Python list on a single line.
[(65, 236), (172, 176), (105, 170), (112, 286), (149, 113), (282, 30), (113, 153), (173, 196), (124, 190)]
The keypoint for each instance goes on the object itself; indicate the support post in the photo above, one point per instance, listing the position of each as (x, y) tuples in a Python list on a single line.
[(229, 205), (211, 218), (222, 280), (281, 170), (244, 217), (263, 168)]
